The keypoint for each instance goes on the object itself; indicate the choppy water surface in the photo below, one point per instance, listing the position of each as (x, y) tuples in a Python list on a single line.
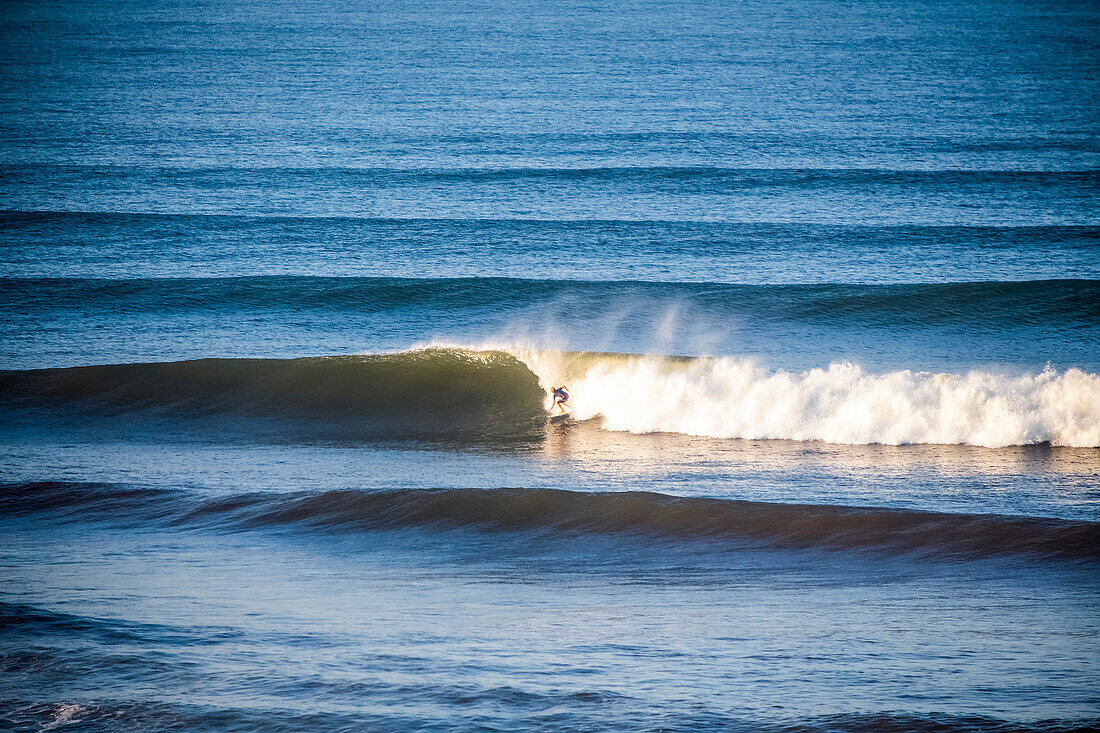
[(283, 286)]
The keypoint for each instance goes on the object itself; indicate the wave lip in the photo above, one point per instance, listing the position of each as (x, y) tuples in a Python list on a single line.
[(560, 513)]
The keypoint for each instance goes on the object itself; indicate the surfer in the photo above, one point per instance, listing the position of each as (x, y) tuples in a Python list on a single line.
[(560, 397)]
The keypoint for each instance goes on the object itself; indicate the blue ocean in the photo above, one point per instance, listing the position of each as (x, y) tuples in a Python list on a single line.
[(285, 287)]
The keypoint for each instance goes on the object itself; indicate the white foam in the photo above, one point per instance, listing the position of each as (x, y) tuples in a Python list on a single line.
[(729, 397), (66, 714)]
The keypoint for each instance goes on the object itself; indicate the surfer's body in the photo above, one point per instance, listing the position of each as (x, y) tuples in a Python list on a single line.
[(561, 396)]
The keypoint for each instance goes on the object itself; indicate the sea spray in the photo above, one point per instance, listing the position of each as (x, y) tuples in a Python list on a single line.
[(728, 397), (502, 390)]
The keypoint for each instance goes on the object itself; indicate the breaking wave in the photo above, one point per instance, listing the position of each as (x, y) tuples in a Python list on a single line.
[(728, 397), (501, 392)]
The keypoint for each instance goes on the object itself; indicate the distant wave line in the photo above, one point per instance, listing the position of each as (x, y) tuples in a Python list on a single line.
[(987, 306), (875, 174), (39, 214), (554, 512)]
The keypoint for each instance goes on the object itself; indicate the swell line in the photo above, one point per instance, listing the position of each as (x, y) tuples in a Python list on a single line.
[(18, 216), (987, 305), (560, 513)]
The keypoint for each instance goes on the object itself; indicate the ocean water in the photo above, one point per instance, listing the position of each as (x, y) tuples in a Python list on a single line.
[(284, 285)]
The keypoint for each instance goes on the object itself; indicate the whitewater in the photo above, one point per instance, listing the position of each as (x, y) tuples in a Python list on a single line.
[(730, 397)]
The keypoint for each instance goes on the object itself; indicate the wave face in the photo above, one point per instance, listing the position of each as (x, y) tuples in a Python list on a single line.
[(555, 512), (414, 393), (501, 393)]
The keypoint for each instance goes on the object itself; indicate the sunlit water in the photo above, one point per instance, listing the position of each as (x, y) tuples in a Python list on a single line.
[(822, 280)]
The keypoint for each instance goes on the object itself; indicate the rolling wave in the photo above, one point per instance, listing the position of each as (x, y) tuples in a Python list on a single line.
[(554, 512), (419, 393), (502, 392), (989, 306)]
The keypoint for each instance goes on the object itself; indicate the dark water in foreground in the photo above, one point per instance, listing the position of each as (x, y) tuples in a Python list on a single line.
[(283, 285)]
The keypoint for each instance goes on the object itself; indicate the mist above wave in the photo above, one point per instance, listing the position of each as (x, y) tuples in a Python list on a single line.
[(728, 397)]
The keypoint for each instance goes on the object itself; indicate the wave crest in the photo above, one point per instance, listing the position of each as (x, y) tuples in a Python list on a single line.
[(501, 393), (736, 398)]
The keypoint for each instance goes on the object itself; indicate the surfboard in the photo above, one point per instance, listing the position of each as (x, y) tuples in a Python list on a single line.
[(561, 417)]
